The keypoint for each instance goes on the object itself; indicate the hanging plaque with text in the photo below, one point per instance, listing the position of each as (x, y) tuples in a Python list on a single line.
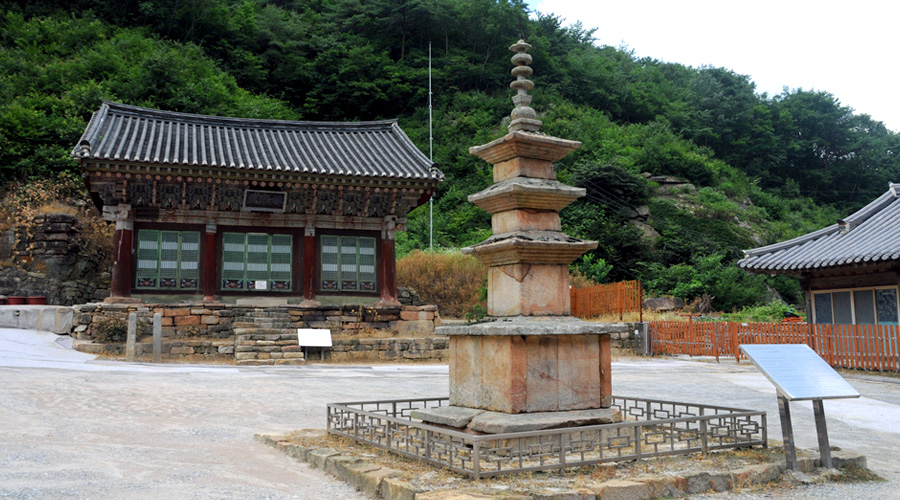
[(264, 201)]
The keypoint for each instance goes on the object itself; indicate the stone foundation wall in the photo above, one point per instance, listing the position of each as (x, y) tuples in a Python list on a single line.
[(393, 349), (628, 342), (265, 335)]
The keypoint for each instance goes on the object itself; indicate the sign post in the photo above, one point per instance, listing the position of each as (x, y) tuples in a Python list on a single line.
[(313, 337), (798, 374)]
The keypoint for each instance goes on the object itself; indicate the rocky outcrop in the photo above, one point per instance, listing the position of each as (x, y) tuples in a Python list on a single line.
[(49, 258)]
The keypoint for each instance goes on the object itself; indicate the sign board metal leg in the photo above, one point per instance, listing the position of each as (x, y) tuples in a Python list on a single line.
[(787, 432), (822, 432)]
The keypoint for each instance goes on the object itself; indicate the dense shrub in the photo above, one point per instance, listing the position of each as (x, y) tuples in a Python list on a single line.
[(110, 330), (449, 279)]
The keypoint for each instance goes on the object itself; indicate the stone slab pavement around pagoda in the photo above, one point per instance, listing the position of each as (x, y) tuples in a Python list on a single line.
[(531, 364)]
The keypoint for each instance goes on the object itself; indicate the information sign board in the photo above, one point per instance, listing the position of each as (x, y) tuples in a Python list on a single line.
[(314, 337), (797, 372)]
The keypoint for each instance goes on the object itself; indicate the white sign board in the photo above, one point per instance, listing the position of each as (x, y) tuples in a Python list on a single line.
[(314, 337), (798, 372)]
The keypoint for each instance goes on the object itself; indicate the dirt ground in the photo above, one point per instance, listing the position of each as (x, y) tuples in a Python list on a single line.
[(76, 427)]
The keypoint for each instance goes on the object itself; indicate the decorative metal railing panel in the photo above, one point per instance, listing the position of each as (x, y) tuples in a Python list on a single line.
[(651, 428)]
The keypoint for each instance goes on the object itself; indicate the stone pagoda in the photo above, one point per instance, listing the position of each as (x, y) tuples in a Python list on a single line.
[(530, 355)]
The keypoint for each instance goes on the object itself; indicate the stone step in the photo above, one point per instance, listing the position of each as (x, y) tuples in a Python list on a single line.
[(268, 314), (286, 325), (265, 331)]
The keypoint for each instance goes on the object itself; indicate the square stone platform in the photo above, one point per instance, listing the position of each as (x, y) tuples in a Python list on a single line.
[(531, 364), (492, 422)]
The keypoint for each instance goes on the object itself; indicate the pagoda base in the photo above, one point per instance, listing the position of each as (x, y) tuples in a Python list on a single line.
[(527, 364)]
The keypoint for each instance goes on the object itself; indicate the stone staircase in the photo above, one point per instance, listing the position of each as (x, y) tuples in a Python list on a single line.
[(266, 337)]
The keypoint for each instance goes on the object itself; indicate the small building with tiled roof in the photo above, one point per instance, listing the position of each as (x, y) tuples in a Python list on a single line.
[(216, 206), (850, 271)]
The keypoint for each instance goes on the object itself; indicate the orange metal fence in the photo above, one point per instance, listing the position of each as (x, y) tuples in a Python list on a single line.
[(614, 298), (865, 347)]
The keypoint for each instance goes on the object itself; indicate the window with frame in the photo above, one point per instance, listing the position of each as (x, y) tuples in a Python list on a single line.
[(168, 260), (347, 263), (859, 306), (257, 262)]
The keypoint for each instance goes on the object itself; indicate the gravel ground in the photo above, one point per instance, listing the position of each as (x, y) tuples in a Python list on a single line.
[(78, 428)]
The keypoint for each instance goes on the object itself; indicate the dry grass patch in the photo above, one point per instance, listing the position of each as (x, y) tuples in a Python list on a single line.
[(453, 281)]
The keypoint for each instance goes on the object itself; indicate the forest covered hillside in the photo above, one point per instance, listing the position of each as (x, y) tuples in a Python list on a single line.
[(684, 167)]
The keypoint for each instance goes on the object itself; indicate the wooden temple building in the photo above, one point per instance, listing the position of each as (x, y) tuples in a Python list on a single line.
[(218, 207), (850, 271)]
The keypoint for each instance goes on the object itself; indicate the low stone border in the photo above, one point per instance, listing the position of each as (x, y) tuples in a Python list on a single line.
[(377, 481)]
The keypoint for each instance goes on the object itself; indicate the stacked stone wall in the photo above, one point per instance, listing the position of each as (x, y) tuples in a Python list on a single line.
[(628, 342), (215, 331)]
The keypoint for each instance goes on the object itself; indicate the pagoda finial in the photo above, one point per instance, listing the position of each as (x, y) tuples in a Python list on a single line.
[(523, 116)]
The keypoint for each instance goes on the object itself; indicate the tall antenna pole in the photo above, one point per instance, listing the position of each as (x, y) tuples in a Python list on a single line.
[(430, 157)]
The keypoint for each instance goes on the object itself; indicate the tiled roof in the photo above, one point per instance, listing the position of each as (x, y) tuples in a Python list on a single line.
[(869, 235), (123, 133)]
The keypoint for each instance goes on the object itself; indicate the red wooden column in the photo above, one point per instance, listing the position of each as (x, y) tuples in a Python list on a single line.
[(121, 269), (388, 263), (210, 258), (309, 266)]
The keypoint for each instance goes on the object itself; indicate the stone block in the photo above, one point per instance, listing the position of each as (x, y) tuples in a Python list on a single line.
[(701, 481), (528, 290), (337, 463), (182, 350), (523, 167), (508, 221), (469, 495), (318, 456), (201, 312), (620, 489), (396, 489), (453, 416), (292, 355), (187, 320), (293, 450), (167, 321), (210, 320), (664, 486), (753, 475), (244, 356), (577, 494), (843, 458), (411, 315), (501, 423), (177, 312), (578, 359), (224, 349)]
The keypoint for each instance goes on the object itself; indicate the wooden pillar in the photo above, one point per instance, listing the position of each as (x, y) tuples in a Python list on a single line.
[(121, 269), (388, 263), (309, 266), (210, 259)]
